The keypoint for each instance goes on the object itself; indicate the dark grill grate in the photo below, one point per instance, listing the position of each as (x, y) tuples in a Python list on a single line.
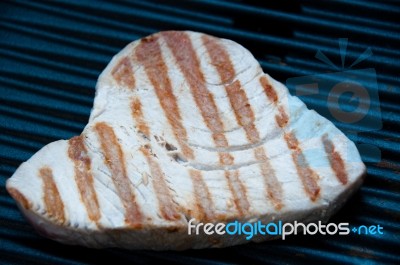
[(51, 53)]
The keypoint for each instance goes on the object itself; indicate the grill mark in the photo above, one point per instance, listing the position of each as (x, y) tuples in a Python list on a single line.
[(186, 58), (268, 89), (123, 73), (244, 115), (241, 106), (242, 109), (163, 194), (203, 201), (238, 191), (148, 53), (115, 161), (20, 198), (219, 59), (164, 197), (226, 159), (220, 139), (281, 118), (52, 199), (272, 184), (236, 187), (335, 160), (137, 114), (83, 177), (307, 176)]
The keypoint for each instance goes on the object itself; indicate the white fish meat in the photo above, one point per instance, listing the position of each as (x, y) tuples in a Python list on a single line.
[(186, 125)]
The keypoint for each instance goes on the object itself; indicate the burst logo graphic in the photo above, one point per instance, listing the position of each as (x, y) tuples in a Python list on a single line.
[(349, 98)]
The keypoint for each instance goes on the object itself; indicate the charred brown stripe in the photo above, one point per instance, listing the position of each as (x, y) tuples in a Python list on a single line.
[(307, 176), (186, 58), (335, 160), (241, 106), (123, 73), (281, 118), (203, 202), (185, 55), (83, 177), (148, 53), (273, 186), (52, 199), (137, 115), (268, 89), (238, 191), (115, 161), (244, 115), (20, 198), (236, 187), (226, 159), (164, 197)]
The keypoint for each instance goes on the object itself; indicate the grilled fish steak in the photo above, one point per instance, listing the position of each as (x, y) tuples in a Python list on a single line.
[(186, 125)]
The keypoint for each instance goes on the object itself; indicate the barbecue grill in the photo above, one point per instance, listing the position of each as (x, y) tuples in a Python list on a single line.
[(51, 53)]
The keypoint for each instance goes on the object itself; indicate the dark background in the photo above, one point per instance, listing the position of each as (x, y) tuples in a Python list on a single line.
[(52, 52)]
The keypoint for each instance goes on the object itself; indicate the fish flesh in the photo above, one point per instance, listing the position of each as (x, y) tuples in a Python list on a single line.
[(186, 126)]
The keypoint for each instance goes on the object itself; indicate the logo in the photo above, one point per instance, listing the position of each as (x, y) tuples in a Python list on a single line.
[(348, 98), (273, 229)]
